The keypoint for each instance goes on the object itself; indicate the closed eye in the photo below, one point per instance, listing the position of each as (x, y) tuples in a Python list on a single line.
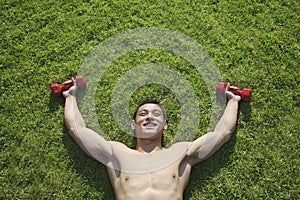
[(143, 113), (157, 114)]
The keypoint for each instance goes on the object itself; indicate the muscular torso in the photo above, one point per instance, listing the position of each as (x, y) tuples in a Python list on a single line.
[(159, 175)]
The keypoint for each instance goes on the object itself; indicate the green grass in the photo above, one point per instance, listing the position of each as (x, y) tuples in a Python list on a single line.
[(254, 44)]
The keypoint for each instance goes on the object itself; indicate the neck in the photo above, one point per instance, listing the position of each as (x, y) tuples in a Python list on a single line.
[(148, 145)]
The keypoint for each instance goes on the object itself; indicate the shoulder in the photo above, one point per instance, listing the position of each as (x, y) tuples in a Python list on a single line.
[(179, 147), (120, 146)]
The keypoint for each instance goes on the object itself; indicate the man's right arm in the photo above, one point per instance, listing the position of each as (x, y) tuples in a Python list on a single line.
[(206, 145), (89, 141)]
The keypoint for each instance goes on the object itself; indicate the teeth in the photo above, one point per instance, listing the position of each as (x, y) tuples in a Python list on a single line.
[(150, 125)]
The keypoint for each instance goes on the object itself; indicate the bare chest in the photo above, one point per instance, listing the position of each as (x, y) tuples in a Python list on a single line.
[(165, 183), (166, 179), (156, 175)]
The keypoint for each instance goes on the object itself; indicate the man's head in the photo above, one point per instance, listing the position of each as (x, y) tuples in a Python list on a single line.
[(150, 119), (149, 102)]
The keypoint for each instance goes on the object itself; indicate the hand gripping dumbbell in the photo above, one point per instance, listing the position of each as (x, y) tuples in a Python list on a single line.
[(245, 93), (57, 90)]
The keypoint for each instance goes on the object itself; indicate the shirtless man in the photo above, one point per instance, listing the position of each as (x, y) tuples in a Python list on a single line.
[(149, 172)]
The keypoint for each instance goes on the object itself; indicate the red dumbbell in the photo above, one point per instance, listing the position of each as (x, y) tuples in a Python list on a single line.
[(245, 93), (57, 90)]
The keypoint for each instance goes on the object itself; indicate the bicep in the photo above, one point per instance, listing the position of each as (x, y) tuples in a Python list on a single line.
[(205, 146), (93, 144)]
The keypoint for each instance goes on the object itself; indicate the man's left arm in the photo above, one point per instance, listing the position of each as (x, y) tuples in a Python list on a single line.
[(206, 145)]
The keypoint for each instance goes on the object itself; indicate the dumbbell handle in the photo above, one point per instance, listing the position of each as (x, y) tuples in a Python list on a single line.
[(57, 90), (245, 93)]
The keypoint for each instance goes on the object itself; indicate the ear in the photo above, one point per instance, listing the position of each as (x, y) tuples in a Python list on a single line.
[(133, 124), (165, 125)]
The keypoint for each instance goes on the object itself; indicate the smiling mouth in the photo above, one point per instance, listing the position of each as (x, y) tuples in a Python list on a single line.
[(150, 125)]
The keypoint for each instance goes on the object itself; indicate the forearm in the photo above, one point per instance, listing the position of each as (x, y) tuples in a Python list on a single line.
[(227, 123), (73, 118)]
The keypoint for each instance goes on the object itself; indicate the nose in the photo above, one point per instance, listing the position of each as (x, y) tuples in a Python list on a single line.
[(149, 116)]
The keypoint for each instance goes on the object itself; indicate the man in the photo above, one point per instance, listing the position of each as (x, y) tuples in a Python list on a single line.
[(149, 172)]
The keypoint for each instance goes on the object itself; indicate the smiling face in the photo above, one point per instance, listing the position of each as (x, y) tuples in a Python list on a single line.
[(149, 122)]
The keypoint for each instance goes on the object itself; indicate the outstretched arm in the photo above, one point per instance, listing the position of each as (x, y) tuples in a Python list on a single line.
[(209, 143), (89, 141)]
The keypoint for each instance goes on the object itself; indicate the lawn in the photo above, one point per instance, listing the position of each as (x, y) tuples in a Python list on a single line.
[(253, 44)]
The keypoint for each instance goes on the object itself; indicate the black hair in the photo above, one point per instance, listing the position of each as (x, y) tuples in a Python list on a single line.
[(149, 101)]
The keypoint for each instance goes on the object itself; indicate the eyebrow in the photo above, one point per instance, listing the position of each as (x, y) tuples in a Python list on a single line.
[(155, 110)]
